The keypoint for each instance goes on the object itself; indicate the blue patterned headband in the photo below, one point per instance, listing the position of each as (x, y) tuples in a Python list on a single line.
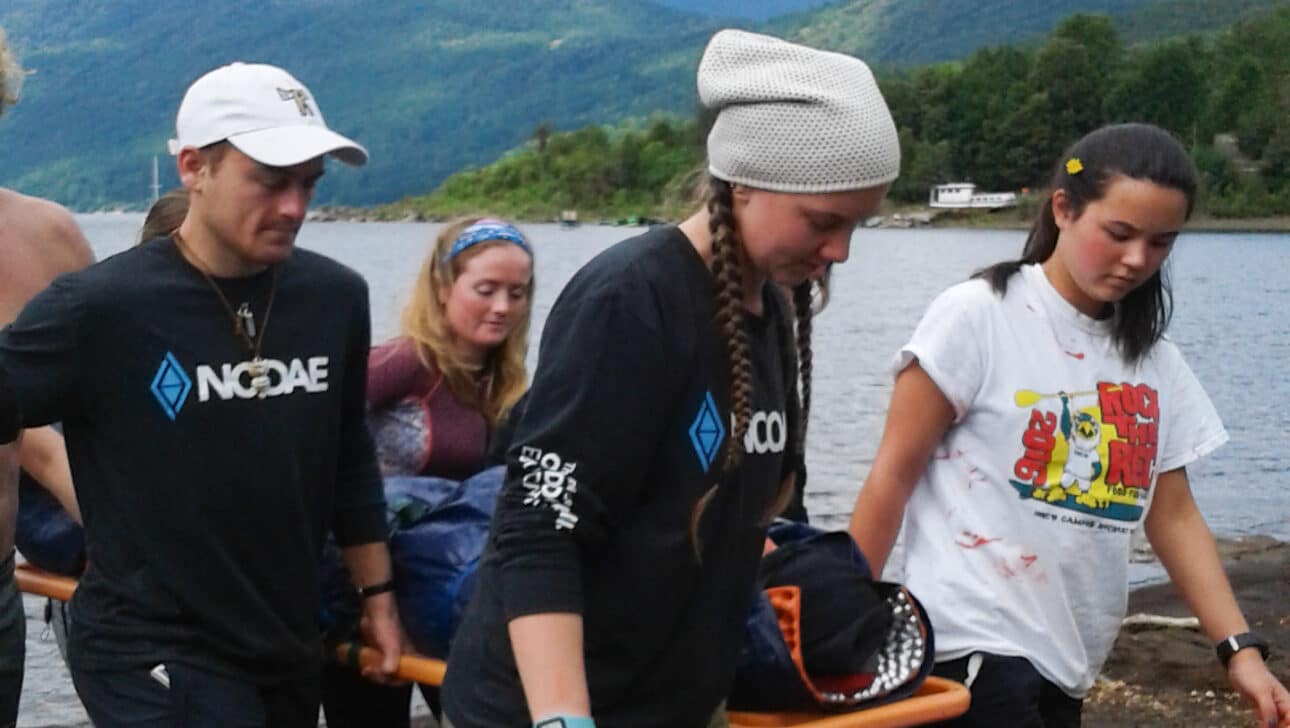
[(487, 229)]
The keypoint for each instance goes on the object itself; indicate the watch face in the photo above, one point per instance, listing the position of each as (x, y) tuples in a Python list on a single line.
[(551, 723)]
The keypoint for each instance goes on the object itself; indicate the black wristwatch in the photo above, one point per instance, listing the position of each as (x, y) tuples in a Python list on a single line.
[(374, 589), (1237, 642)]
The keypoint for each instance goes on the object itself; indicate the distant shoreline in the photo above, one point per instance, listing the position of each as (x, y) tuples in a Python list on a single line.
[(938, 219), (974, 220), (1006, 220)]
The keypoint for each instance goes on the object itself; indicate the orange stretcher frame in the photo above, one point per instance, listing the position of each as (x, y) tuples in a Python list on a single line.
[(937, 699)]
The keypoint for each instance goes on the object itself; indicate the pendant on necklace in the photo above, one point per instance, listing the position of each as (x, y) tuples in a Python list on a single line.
[(246, 319), (259, 377)]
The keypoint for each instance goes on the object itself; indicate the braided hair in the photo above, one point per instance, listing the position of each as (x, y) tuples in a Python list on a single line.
[(730, 316)]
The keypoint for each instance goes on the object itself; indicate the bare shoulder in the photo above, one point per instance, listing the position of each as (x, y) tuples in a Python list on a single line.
[(39, 241), (45, 227)]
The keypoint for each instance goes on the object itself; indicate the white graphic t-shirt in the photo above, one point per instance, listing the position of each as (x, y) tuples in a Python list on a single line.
[(1017, 536)]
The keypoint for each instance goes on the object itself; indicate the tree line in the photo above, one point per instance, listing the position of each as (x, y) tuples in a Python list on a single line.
[(1002, 117), (999, 118)]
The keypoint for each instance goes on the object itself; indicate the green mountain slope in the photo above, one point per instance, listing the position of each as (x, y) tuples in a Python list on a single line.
[(1169, 18), (909, 32), (428, 87), (434, 86), (998, 118), (750, 9)]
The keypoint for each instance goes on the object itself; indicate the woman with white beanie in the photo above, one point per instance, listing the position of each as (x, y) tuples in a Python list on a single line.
[(664, 425)]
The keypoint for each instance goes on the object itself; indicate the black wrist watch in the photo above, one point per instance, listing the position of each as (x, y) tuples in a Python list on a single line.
[(1237, 642), (374, 589)]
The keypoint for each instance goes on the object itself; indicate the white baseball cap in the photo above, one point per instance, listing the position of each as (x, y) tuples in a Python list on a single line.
[(264, 112)]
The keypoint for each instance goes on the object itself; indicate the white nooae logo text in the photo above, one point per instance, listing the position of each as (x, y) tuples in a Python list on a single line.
[(767, 432), (234, 380)]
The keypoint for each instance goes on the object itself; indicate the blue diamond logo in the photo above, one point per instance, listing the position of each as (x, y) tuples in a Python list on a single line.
[(171, 386), (707, 432)]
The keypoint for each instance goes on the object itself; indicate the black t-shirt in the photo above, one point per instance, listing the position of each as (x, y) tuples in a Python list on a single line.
[(623, 430), (205, 506)]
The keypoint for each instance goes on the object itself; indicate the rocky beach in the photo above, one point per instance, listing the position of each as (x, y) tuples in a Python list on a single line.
[(1168, 676)]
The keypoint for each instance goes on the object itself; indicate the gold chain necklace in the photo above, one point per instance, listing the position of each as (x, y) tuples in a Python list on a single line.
[(243, 319)]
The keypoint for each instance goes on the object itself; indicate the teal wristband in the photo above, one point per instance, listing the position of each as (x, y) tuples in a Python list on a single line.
[(565, 721)]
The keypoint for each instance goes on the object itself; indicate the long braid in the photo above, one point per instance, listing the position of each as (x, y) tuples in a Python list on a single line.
[(730, 321), (730, 313), (804, 311), (800, 350)]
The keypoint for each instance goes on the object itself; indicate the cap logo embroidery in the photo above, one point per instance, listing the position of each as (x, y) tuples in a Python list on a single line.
[(299, 96)]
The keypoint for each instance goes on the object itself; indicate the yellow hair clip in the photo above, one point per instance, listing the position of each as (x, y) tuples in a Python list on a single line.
[(1074, 166)]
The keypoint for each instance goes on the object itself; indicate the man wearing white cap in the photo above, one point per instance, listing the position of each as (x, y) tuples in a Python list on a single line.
[(211, 388)]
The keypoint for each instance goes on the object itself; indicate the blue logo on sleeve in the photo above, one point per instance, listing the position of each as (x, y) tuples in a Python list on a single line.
[(171, 386), (707, 432)]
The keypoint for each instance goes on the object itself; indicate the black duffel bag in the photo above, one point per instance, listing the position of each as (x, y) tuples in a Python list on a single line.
[(824, 635)]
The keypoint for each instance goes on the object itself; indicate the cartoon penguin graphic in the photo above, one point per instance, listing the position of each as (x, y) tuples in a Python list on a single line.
[(1083, 464)]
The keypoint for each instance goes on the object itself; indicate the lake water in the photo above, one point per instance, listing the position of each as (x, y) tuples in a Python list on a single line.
[(1231, 290)]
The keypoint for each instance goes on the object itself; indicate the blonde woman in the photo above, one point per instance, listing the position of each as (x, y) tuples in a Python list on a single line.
[(436, 392), (458, 367)]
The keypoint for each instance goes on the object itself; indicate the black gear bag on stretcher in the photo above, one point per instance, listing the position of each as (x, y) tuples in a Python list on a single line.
[(824, 635)]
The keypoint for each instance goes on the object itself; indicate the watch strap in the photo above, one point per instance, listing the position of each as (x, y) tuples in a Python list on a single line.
[(1229, 646), (374, 589)]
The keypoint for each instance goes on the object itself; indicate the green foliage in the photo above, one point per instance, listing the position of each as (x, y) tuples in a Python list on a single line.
[(1167, 85), (632, 170), (908, 32), (1218, 174), (437, 86), (1000, 118), (1003, 117), (429, 87), (929, 31), (1171, 18), (751, 9)]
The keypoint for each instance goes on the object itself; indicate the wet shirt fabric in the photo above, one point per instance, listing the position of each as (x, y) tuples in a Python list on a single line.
[(419, 426), (624, 429), (1017, 537), (205, 505)]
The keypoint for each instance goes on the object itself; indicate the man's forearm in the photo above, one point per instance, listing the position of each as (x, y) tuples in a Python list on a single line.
[(43, 454), (368, 564)]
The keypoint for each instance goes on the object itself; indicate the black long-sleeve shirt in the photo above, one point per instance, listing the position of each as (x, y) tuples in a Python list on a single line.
[(623, 431), (205, 506)]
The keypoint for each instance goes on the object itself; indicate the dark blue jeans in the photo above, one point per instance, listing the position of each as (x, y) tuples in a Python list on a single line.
[(1009, 691), (13, 643), (194, 699)]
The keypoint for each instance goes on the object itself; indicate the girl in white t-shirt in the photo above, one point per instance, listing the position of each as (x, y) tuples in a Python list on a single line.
[(1038, 417)]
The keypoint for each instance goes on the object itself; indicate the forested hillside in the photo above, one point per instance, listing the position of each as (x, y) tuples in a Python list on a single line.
[(910, 32), (1000, 118), (437, 86), (429, 87)]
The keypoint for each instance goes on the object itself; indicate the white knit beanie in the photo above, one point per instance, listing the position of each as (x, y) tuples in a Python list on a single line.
[(794, 119)]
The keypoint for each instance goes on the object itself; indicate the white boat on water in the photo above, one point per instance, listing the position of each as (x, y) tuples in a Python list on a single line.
[(963, 196)]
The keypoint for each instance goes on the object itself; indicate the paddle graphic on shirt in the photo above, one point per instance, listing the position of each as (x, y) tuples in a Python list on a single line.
[(1089, 451)]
